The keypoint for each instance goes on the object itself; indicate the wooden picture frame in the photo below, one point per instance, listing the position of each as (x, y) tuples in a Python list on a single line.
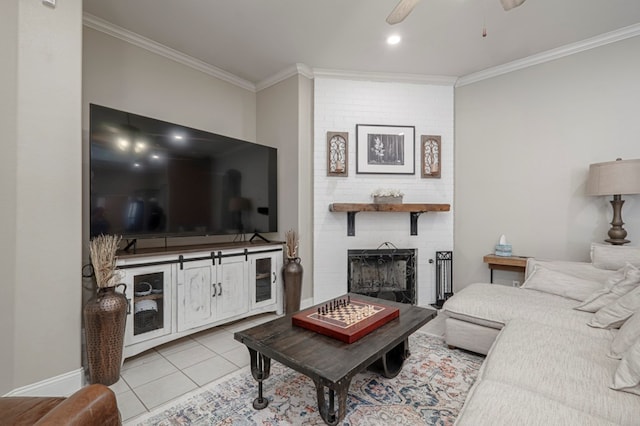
[(384, 149), (430, 156), (338, 154)]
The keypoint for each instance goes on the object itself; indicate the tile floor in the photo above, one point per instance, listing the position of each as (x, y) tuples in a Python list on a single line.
[(166, 372)]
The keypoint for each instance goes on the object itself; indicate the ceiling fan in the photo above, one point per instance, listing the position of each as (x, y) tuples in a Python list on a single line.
[(404, 8)]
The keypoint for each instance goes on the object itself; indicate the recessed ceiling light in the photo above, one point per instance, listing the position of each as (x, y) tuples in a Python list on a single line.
[(178, 137), (393, 39)]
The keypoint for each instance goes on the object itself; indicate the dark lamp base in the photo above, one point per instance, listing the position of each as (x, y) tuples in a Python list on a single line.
[(617, 233), (617, 241)]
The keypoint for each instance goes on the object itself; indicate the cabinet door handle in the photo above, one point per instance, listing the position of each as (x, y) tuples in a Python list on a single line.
[(214, 289), (219, 289), (128, 306), (274, 277)]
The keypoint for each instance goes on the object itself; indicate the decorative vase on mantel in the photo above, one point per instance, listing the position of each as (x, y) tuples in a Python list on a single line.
[(381, 199), (387, 196), (292, 277), (105, 318), (105, 314)]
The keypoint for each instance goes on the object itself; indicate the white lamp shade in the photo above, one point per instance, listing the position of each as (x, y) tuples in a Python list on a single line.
[(614, 177)]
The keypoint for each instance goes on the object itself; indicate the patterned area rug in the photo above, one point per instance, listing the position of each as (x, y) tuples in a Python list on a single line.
[(430, 389)]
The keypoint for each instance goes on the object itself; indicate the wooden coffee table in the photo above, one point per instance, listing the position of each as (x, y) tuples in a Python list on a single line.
[(330, 363)]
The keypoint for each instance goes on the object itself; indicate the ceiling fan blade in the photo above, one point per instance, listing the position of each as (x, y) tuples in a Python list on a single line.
[(510, 4), (401, 11)]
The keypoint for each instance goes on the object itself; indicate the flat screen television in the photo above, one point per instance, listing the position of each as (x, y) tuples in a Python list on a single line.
[(151, 178)]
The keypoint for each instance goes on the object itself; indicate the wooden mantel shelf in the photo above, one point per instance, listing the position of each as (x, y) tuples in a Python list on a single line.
[(371, 207), (414, 209)]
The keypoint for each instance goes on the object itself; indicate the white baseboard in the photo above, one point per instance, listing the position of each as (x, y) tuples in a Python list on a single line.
[(306, 303), (62, 385)]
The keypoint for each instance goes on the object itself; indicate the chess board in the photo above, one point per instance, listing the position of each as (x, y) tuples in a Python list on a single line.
[(345, 321)]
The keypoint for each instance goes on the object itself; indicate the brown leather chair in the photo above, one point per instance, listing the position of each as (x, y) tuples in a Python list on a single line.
[(91, 405)]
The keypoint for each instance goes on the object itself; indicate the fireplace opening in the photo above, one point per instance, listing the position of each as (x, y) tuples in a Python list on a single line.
[(383, 273)]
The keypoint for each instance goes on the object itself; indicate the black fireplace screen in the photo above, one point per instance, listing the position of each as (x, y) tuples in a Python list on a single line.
[(444, 277), (386, 274)]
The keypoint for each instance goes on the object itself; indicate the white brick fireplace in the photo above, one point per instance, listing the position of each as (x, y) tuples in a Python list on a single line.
[(339, 105)]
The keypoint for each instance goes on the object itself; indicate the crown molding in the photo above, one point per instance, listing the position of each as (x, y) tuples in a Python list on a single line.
[(297, 69), (108, 28), (443, 80), (137, 40), (551, 55)]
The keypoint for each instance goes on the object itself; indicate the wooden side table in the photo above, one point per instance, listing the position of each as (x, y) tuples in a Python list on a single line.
[(505, 263)]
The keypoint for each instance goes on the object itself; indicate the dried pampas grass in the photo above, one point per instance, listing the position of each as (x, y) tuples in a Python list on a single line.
[(291, 240), (102, 250)]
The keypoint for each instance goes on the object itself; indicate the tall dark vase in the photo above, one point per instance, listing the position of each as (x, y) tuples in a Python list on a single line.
[(105, 316), (292, 276)]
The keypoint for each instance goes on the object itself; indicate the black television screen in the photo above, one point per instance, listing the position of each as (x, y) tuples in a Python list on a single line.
[(150, 178)]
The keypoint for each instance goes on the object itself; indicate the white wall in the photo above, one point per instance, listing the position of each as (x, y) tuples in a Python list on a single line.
[(524, 142), (341, 104), (41, 198)]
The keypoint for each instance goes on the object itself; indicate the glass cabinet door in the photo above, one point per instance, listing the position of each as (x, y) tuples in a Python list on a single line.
[(148, 292), (264, 271), (264, 277)]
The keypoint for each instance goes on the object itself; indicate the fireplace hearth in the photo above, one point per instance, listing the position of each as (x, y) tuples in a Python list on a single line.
[(384, 273)]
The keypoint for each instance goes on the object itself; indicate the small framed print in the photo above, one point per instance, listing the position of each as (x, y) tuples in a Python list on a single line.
[(430, 149), (382, 149), (337, 154)]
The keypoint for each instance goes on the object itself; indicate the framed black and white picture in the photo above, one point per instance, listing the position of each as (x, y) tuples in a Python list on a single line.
[(383, 149)]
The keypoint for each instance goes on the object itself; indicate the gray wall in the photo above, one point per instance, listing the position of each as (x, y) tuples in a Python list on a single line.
[(120, 75), (524, 142), (8, 178), (41, 191), (284, 121), (305, 181)]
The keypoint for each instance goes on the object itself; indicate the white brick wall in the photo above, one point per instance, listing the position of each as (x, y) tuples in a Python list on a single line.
[(338, 106)]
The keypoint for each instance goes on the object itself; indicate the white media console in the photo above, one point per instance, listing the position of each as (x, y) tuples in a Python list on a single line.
[(178, 291)]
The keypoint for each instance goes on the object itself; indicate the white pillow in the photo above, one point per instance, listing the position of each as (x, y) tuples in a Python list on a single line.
[(554, 282), (605, 256), (627, 375), (615, 314), (628, 334), (619, 284)]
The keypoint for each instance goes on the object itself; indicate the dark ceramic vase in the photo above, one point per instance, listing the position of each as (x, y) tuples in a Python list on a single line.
[(292, 276), (105, 316)]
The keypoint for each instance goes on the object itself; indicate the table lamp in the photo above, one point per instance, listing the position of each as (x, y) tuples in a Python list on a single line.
[(615, 178)]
